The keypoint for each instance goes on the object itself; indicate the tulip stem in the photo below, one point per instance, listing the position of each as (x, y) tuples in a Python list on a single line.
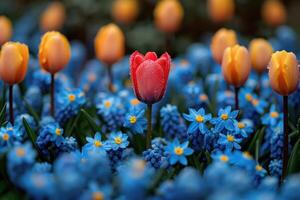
[(149, 127), (52, 108), (286, 138), (11, 106), (110, 79), (236, 91)]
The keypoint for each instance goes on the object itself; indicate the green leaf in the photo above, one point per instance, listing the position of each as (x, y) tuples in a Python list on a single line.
[(91, 121), (256, 142), (30, 133), (294, 161), (3, 99), (71, 125), (32, 112), (2, 115)]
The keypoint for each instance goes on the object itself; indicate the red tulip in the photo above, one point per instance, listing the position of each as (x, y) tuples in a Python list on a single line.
[(149, 76)]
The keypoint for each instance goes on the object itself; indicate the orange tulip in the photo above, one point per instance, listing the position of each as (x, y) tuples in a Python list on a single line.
[(13, 62), (168, 15), (236, 65), (125, 11), (274, 12), (220, 10), (54, 52), (284, 72), (222, 39), (110, 44), (53, 17), (5, 29), (260, 53)]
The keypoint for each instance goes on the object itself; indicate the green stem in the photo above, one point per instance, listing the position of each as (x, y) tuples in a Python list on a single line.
[(110, 79), (52, 109), (236, 91), (11, 106), (149, 127), (286, 138)]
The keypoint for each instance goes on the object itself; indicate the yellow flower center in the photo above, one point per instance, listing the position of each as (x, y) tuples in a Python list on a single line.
[(230, 138), (72, 97), (58, 131), (107, 104), (203, 97), (178, 151), (184, 63), (20, 152), (92, 77), (255, 102), (224, 116), (241, 125), (224, 158), (249, 97), (247, 155), (98, 196), (5, 137), (118, 140), (134, 102), (10, 129), (258, 167), (199, 118), (98, 143), (132, 119), (274, 114)]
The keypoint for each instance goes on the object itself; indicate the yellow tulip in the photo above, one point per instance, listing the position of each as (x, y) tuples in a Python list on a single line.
[(260, 53), (5, 29), (168, 15), (274, 12), (125, 11), (284, 72), (53, 17), (54, 52), (222, 39), (220, 10), (110, 44), (14, 59), (236, 65)]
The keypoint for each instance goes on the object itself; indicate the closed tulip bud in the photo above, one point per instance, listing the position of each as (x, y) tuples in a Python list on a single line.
[(54, 52), (5, 29), (53, 17), (110, 44), (236, 65), (168, 15), (222, 39), (125, 11), (149, 76), (273, 12), (220, 10), (14, 58), (260, 53), (283, 72)]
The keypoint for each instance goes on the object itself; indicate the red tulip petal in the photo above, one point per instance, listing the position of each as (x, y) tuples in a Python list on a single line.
[(151, 56), (135, 60), (165, 62)]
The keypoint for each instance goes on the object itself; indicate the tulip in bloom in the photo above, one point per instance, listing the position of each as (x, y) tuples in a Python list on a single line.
[(149, 76), (284, 72), (125, 11), (110, 44), (274, 12), (220, 10), (168, 15), (5, 29), (260, 53), (236, 65), (222, 39), (53, 17), (54, 52)]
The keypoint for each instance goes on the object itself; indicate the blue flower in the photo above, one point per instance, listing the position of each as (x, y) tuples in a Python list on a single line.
[(275, 167), (242, 129), (118, 140), (135, 120), (22, 154), (219, 156), (229, 141), (259, 104), (178, 152), (198, 119), (94, 145), (225, 119), (7, 137), (97, 192), (273, 117)]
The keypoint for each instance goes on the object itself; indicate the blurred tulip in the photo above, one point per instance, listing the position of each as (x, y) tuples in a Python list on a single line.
[(260, 53), (222, 39), (53, 17), (168, 15), (125, 11), (274, 12), (236, 65), (5, 29), (220, 10), (284, 72), (54, 52), (110, 44), (14, 59)]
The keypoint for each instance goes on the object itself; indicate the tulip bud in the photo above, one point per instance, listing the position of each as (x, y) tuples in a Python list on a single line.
[(5, 29), (220, 10), (168, 15), (53, 17), (284, 72), (260, 53), (110, 44), (273, 12), (14, 58), (149, 76), (54, 52), (125, 11), (236, 65), (222, 39)]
